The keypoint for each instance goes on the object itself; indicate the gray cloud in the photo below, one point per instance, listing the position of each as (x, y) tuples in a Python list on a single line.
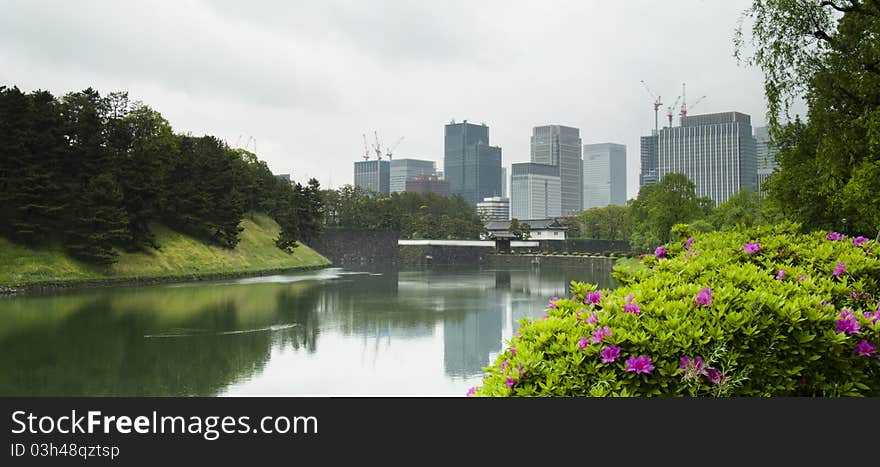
[(306, 79)]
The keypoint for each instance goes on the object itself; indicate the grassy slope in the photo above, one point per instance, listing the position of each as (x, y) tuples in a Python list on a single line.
[(179, 256)]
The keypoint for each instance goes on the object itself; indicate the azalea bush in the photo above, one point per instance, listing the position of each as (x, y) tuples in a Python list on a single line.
[(760, 312)]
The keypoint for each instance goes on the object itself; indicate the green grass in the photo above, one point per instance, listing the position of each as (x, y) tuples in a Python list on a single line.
[(180, 256)]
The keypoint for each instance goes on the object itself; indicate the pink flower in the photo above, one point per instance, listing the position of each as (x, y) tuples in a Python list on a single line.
[(600, 334), (751, 248), (780, 275), (802, 278), (610, 353), (859, 240), (472, 391), (660, 252), (638, 365), (715, 376), (552, 302), (504, 365), (631, 306), (594, 297), (833, 237), (873, 317), (691, 253), (512, 350), (847, 323), (864, 348), (510, 382), (839, 269), (519, 368), (704, 298), (593, 319), (693, 368), (583, 343), (689, 243)]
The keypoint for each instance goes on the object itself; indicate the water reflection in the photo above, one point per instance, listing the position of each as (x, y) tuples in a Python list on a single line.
[(327, 332)]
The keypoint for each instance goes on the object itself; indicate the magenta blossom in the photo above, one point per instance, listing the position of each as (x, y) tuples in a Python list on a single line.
[(802, 278), (512, 350), (847, 323), (552, 302), (839, 269), (864, 348), (610, 353), (691, 253), (859, 240), (545, 316), (704, 298), (715, 376), (873, 317), (660, 252), (689, 243), (519, 368), (593, 318), (631, 306), (472, 391), (833, 237), (693, 368), (583, 343), (640, 364), (504, 365), (510, 382), (780, 275), (594, 297), (752, 247), (600, 334)]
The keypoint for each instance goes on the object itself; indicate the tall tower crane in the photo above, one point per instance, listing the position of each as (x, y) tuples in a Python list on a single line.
[(671, 109), (377, 147), (366, 148), (657, 105), (684, 111), (390, 150)]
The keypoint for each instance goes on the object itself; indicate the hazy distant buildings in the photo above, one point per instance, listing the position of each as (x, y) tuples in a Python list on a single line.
[(406, 169), (504, 181), (427, 184), (535, 190), (560, 146), (715, 151), (766, 155), (471, 166), (604, 175), (373, 175), (495, 208), (650, 160)]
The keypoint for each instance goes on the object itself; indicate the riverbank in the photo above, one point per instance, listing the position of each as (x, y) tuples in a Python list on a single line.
[(180, 258)]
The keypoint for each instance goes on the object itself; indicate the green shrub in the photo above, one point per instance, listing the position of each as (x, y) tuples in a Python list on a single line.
[(806, 331)]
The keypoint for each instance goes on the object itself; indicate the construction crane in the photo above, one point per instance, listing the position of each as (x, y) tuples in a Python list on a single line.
[(377, 147), (657, 105), (390, 150), (671, 109), (684, 111), (366, 148)]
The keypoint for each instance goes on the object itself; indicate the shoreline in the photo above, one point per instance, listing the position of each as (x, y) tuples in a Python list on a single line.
[(72, 285)]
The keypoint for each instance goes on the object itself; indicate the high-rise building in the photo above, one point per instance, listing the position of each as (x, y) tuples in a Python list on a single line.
[(495, 208), (716, 151), (766, 155), (560, 146), (650, 160), (536, 191), (604, 175), (406, 169), (504, 181), (373, 175), (427, 184), (472, 167)]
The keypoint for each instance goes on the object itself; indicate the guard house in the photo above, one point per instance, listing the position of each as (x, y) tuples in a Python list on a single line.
[(540, 229)]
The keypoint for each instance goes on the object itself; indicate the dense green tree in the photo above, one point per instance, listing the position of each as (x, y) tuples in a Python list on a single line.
[(520, 230), (743, 210), (660, 206), (827, 53), (612, 222)]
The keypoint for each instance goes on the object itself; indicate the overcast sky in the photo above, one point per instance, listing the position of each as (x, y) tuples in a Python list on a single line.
[(305, 79)]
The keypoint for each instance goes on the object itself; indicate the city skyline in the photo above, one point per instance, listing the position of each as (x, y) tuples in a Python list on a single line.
[(276, 91)]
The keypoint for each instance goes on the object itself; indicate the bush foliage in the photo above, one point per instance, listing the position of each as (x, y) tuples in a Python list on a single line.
[(757, 312)]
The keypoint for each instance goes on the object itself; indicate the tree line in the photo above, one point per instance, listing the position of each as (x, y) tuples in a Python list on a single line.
[(414, 215), (93, 172)]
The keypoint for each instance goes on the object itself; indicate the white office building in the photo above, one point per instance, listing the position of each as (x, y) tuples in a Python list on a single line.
[(535, 190)]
